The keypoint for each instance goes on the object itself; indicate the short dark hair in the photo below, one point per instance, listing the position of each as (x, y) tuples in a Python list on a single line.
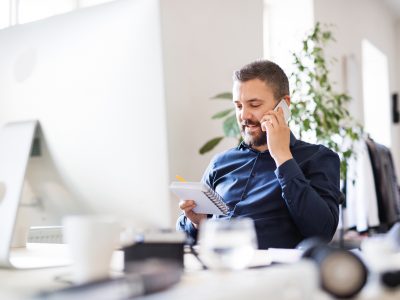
[(268, 72)]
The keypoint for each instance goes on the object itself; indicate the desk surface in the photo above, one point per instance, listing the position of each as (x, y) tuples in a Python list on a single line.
[(291, 281)]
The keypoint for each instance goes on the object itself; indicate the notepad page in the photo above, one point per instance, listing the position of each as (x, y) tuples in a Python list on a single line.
[(196, 191)]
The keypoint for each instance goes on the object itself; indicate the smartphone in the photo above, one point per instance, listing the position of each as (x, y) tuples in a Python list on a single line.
[(286, 111)]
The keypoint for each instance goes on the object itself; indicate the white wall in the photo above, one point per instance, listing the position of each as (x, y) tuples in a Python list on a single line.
[(355, 20), (203, 41), (397, 86)]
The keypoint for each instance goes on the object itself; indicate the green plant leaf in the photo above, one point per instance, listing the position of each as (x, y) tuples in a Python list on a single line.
[(306, 124), (230, 127), (316, 107), (222, 114), (224, 96), (211, 144)]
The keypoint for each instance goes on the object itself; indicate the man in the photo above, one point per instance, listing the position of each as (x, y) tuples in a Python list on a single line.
[(288, 187)]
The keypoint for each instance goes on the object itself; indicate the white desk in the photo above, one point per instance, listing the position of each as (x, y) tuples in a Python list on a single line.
[(24, 283), (280, 282)]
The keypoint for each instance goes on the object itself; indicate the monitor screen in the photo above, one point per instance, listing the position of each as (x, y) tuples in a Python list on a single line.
[(93, 79)]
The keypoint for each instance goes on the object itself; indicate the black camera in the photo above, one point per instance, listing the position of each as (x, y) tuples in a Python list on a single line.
[(342, 273)]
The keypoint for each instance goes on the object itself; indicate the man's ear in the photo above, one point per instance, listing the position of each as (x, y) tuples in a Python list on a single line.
[(287, 99)]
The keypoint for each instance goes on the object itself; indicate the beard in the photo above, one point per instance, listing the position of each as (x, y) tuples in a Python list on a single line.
[(255, 137)]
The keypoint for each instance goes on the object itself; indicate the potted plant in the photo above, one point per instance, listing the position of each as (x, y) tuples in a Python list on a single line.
[(318, 112)]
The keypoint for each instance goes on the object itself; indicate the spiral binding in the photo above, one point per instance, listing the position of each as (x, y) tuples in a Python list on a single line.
[(217, 200)]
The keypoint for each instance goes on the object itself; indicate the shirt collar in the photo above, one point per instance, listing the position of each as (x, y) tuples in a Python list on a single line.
[(293, 140)]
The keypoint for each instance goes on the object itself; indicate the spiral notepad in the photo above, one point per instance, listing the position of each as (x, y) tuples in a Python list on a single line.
[(207, 200)]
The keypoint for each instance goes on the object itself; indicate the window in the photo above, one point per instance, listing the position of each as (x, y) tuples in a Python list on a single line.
[(33, 10), (4, 13), (85, 3), (14, 12), (285, 24), (376, 95)]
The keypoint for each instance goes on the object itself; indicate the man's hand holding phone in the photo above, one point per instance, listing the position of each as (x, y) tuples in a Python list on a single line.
[(278, 134), (187, 207)]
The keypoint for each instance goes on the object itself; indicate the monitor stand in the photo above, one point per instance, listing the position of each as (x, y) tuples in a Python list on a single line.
[(16, 140)]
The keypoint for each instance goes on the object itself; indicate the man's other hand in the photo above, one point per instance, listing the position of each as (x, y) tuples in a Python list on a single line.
[(187, 207)]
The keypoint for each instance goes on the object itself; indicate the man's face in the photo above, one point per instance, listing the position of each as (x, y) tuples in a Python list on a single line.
[(252, 99)]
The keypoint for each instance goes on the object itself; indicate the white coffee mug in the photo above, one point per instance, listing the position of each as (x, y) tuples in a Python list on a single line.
[(91, 241)]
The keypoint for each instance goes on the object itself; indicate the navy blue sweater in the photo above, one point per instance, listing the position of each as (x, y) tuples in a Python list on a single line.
[(299, 199)]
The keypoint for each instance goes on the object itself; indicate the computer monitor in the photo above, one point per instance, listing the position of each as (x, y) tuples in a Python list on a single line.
[(93, 78)]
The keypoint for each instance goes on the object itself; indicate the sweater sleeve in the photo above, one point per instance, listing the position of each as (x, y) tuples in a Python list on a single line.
[(184, 224), (312, 200)]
